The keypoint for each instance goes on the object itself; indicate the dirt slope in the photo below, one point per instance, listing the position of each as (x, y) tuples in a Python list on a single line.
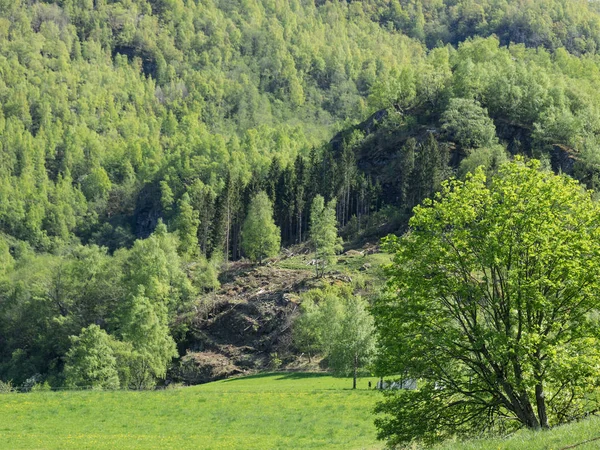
[(245, 325)]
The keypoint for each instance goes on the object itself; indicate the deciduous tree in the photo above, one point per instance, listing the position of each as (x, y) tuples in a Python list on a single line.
[(493, 304), (90, 362), (337, 323), (261, 238), (323, 233)]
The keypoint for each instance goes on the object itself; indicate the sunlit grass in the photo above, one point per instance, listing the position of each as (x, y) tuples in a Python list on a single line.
[(555, 439), (264, 411)]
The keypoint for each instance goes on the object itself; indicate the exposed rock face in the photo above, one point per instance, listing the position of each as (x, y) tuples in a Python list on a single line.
[(197, 368), (147, 211), (563, 159)]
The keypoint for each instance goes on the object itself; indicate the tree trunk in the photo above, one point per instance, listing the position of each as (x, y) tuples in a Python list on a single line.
[(541, 405), (317, 261), (355, 371), (228, 230)]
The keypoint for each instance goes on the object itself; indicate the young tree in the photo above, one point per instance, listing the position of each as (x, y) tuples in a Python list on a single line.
[(261, 238), (90, 362), (306, 332), (154, 264), (145, 326), (493, 303), (323, 233), (338, 324), (186, 224)]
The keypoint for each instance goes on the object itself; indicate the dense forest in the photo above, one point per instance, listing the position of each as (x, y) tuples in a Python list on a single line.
[(134, 133)]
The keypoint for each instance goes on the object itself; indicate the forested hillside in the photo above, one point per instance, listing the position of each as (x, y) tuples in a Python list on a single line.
[(134, 133)]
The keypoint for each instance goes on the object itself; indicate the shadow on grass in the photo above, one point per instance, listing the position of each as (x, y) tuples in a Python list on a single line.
[(281, 376)]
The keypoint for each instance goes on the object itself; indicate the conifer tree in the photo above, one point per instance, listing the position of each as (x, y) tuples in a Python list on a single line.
[(407, 165), (300, 188)]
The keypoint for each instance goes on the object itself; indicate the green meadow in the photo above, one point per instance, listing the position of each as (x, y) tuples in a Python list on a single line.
[(267, 411), (584, 435), (285, 410)]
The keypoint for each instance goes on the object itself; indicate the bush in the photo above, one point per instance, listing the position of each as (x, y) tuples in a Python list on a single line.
[(6, 387)]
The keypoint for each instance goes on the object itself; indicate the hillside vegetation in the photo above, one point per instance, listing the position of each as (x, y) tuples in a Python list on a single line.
[(147, 145)]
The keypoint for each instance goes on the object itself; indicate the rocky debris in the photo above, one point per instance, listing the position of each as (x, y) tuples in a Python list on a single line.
[(370, 249), (202, 367), (338, 276), (237, 328)]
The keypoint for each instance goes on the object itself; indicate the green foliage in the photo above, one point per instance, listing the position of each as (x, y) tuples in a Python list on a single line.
[(187, 223), (6, 259), (204, 273), (323, 234), (97, 184), (490, 158), (6, 387), (114, 116), (90, 362), (261, 238), (155, 265), (468, 124), (492, 303), (336, 323), (145, 326)]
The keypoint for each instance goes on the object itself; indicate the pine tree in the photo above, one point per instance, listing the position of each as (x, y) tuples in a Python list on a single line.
[(407, 165), (261, 238), (302, 178)]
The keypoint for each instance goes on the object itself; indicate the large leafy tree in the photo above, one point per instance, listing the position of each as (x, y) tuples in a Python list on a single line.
[(468, 124), (261, 238), (146, 328), (493, 303), (90, 362)]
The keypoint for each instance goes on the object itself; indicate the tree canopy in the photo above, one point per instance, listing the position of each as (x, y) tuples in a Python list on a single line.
[(324, 234), (337, 324), (134, 134), (493, 305), (261, 238)]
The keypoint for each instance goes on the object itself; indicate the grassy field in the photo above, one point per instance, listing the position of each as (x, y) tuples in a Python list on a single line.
[(299, 411), (573, 435), (268, 411)]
